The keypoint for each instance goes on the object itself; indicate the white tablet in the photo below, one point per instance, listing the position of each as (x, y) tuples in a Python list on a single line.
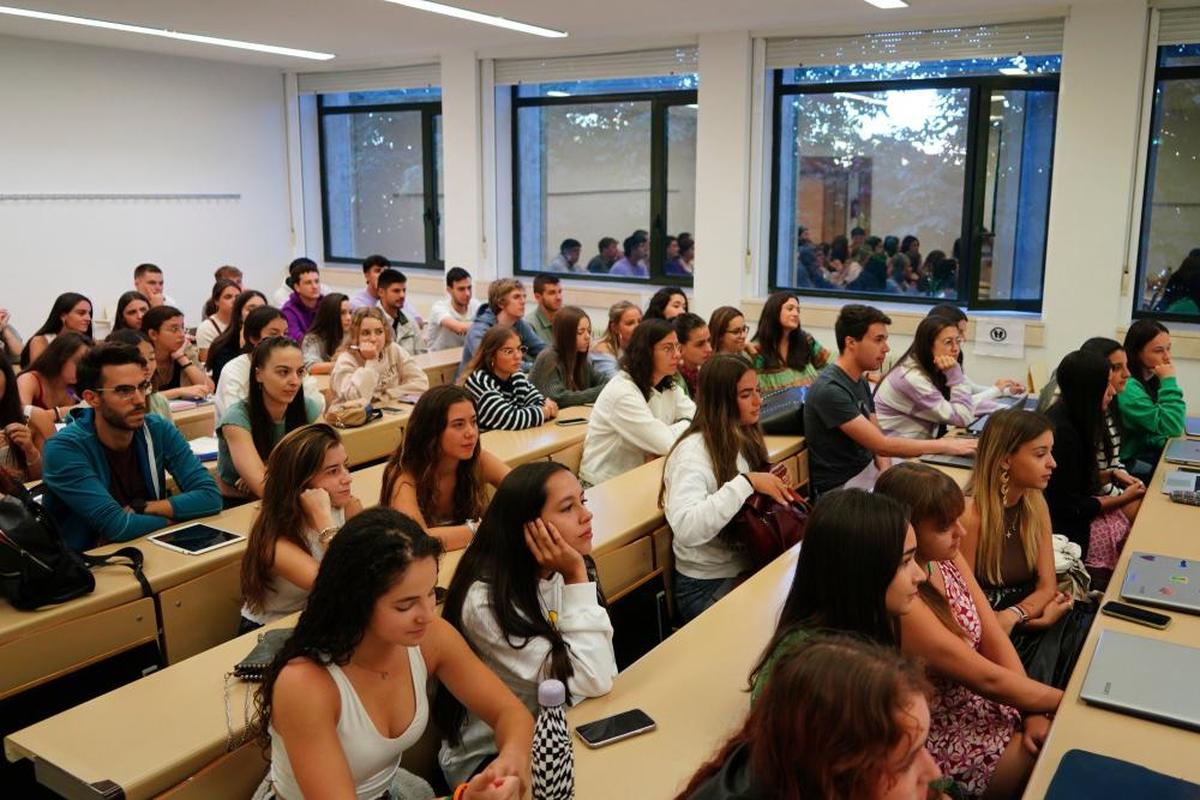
[(195, 539)]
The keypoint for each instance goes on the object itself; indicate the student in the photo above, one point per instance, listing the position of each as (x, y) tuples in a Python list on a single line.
[(505, 306), (106, 472), (982, 394), (718, 462), (695, 349), (229, 273), (563, 372), (229, 345), (148, 279), (641, 411), (526, 598), (451, 317), (926, 392), (844, 438), (301, 307), (437, 475), (71, 313), (1098, 524), (370, 366), (1181, 295), (224, 293), (667, 303), (327, 333), (728, 330), (358, 663), (155, 402), (262, 323), (567, 259), (406, 331), (608, 251), (685, 264), (623, 317), (49, 382), (1118, 376), (841, 719), (788, 355), (547, 290), (637, 249), (306, 500), (856, 573), (24, 430), (280, 296), (372, 268), (504, 396), (988, 719), (176, 376), (131, 307), (1152, 406), (249, 429)]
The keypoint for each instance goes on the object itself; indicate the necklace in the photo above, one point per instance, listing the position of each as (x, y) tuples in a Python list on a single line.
[(1012, 520), (382, 673)]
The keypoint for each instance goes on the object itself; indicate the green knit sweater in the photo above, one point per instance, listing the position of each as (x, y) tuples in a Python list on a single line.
[(1148, 424)]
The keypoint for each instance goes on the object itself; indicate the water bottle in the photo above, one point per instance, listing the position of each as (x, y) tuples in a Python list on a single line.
[(553, 759)]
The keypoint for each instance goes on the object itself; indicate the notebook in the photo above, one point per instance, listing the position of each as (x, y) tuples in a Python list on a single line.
[(1183, 451), (1165, 581), (1082, 775), (1144, 677)]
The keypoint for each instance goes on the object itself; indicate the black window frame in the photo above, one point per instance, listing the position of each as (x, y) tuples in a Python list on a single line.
[(434, 259), (660, 103), (980, 88)]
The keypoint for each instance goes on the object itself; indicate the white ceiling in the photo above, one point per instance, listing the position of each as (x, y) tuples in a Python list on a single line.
[(376, 33)]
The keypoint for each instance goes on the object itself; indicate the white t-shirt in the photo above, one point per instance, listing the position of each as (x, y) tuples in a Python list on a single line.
[(442, 338)]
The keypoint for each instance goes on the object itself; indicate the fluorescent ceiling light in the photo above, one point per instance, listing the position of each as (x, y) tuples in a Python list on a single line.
[(888, 3), (475, 16), (556, 93), (165, 34)]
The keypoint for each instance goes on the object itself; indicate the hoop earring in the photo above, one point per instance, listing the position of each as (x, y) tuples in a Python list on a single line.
[(1004, 488)]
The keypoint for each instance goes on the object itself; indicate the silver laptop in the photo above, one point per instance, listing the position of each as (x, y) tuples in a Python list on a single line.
[(1165, 581), (1181, 480), (1145, 678), (1183, 451), (1192, 426)]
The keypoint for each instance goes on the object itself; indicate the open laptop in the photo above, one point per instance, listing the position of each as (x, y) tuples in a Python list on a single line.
[(1192, 426), (945, 460), (1181, 480), (1183, 451), (1145, 677), (1164, 581)]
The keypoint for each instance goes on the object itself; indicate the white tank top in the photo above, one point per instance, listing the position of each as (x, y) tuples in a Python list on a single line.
[(373, 758), (282, 597)]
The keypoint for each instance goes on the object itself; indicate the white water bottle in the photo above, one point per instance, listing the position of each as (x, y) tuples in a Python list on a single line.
[(553, 759)]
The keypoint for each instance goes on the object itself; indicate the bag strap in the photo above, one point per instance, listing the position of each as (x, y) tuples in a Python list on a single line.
[(135, 563)]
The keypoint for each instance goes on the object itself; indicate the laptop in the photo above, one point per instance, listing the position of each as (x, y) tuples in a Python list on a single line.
[(1181, 480), (1192, 426), (1144, 677), (1183, 451), (1164, 581), (963, 462)]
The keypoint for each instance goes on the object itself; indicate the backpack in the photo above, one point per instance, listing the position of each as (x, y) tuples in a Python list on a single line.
[(36, 568)]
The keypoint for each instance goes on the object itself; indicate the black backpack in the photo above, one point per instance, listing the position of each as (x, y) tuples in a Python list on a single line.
[(36, 568)]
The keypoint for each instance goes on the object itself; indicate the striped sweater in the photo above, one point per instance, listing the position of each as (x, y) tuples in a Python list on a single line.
[(908, 404), (511, 405)]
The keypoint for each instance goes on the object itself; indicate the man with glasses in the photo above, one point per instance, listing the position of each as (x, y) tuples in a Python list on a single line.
[(106, 472)]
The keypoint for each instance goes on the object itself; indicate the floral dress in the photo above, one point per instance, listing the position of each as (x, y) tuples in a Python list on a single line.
[(967, 733)]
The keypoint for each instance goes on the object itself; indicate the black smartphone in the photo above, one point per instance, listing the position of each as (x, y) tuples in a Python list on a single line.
[(615, 728), (1141, 616), (575, 421)]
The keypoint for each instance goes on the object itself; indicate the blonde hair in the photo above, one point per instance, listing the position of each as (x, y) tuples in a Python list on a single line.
[(611, 339), (355, 329)]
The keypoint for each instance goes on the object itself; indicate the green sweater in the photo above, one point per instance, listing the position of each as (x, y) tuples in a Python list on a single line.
[(786, 644), (1148, 424)]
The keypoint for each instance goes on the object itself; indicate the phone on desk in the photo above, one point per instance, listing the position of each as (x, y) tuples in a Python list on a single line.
[(615, 728), (575, 421), (1141, 616)]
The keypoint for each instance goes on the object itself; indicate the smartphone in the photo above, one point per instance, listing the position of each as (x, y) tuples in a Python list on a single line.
[(575, 421), (615, 728), (1141, 616)]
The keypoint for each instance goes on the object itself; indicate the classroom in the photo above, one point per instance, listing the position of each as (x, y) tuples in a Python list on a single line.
[(484, 400)]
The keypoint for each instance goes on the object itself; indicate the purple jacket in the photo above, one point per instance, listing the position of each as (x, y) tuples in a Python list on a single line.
[(299, 316)]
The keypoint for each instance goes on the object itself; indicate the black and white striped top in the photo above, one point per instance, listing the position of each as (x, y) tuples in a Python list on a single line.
[(1114, 434), (511, 405)]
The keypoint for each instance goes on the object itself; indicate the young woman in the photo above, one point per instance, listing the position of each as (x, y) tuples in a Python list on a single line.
[(262, 323), (667, 303), (719, 461), (695, 349), (856, 573), (926, 391), (787, 355), (607, 352), (979, 392), (728, 329), (641, 411), (370, 366), (563, 372), (49, 381), (71, 313), (224, 294), (327, 333), (1007, 543), (229, 344), (1099, 524), (525, 597), (131, 307), (249, 429), (505, 398), (346, 695), (1118, 376), (841, 719), (134, 337), (306, 500), (977, 735), (24, 430), (176, 376), (437, 475), (1152, 406)]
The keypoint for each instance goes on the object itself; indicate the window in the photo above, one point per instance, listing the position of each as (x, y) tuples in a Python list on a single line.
[(603, 159), (913, 181), (381, 175)]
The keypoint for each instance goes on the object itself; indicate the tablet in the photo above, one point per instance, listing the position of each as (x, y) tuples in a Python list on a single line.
[(195, 539)]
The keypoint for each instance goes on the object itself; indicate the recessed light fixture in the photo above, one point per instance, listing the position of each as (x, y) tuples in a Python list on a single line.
[(475, 16), (888, 3), (165, 34)]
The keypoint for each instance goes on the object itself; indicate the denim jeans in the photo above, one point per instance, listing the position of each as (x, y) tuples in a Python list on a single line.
[(694, 595)]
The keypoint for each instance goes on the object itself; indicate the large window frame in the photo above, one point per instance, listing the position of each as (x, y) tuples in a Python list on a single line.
[(430, 111), (661, 102), (974, 179)]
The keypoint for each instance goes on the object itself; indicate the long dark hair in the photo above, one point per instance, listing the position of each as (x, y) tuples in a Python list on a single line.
[(256, 320), (852, 548), (919, 354), (1183, 283), (1082, 382), (50, 362), (657, 307), (12, 410), (210, 305), (491, 343), (54, 324), (499, 557), (369, 554), (718, 323), (566, 330), (1140, 334), (638, 358), (327, 324), (261, 425), (770, 334), (231, 337), (122, 303)]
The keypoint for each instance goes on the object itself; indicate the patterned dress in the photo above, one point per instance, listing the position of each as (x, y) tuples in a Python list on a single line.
[(968, 733)]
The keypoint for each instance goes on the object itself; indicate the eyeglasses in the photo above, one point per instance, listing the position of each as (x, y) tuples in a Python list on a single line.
[(670, 348), (742, 331), (125, 391), (511, 351)]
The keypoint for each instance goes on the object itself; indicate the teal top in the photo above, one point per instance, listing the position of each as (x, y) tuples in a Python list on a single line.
[(1184, 305), (786, 645), (1148, 424), (238, 415)]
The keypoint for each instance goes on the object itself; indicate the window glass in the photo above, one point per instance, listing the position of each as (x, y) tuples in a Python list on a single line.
[(375, 98), (920, 70)]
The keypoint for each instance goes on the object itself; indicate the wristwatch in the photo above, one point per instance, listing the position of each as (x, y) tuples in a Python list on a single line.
[(138, 505)]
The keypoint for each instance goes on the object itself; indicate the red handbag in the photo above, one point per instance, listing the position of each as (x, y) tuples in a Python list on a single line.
[(764, 528)]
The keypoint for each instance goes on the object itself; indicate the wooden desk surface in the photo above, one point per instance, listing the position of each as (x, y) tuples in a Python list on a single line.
[(518, 447), (196, 422)]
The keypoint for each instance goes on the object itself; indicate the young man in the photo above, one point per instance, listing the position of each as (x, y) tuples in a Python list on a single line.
[(106, 472), (637, 248), (229, 273), (148, 279), (858, 237), (505, 306), (843, 436), (695, 349), (301, 307), (451, 318), (608, 251), (406, 332), (372, 266), (281, 295), (547, 290), (567, 259)]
